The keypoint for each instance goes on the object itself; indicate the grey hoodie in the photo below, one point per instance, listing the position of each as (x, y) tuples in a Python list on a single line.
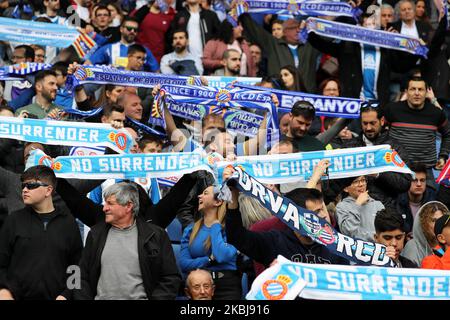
[(418, 248), (358, 221)]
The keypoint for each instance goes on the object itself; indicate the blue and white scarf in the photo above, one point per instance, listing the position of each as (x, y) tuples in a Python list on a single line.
[(123, 166), (110, 75), (225, 82), (307, 223), (40, 33), (193, 102), (324, 105), (65, 133), (14, 72), (377, 38), (286, 280), (293, 167), (292, 7)]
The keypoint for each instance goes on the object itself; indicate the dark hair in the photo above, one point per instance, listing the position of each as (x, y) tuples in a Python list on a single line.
[(149, 139), (109, 108), (415, 78), (418, 167), (388, 220), (136, 48), (299, 85), (61, 66), (324, 83), (303, 108), (6, 107), (225, 32), (301, 195), (181, 30), (40, 173), (42, 74), (101, 7), (43, 19), (369, 108), (277, 21), (29, 51), (129, 19)]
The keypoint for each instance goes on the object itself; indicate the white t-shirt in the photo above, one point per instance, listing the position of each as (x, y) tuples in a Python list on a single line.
[(410, 31), (195, 36)]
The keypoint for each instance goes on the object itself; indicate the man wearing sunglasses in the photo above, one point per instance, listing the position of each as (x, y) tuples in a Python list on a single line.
[(38, 243), (116, 54)]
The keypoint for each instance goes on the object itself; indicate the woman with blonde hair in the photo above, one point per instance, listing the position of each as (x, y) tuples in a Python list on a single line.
[(424, 239), (204, 245)]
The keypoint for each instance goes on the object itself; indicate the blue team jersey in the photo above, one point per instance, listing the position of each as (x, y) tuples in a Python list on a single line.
[(116, 54)]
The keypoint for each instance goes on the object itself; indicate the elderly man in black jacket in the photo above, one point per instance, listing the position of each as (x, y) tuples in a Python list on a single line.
[(127, 258)]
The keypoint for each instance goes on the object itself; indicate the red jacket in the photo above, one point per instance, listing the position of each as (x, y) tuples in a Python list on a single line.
[(213, 52)]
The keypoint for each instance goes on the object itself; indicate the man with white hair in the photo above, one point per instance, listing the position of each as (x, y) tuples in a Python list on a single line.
[(127, 258)]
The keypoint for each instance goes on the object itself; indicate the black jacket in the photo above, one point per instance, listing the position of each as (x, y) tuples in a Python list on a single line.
[(161, 214), (34, 258), (209, 23), (156, 260), (425, 30), (388, 185), (264, 247), (350, 65), (405, 210), (406, 263)]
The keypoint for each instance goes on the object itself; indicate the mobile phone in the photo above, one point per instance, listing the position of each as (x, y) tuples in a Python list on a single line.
[(32, 116)]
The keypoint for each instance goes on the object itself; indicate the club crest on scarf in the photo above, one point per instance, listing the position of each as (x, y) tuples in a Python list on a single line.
[(276, 289), (120, 139), (393, 157)]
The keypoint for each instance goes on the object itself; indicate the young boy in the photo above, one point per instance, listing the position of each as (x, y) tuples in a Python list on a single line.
[(440, 259)]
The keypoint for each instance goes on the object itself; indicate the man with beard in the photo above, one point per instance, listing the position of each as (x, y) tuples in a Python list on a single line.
[(231, 62), (43, 107), (300, 119), (181, 61), (116, 53), (385, 186)]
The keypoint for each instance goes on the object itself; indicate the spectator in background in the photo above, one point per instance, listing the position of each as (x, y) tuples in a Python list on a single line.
[(291, 79), (228, 37), (386, 16), (277, 29), (421, 12), (116, 15), (424, 239), (408, 25), (199, 285), (13, 89), (389, 231), (39, 53), (116, 53), (154, 23), (204, 245), (181, 61), (231, 62), (101, 20), (408, 203), (202, 25)]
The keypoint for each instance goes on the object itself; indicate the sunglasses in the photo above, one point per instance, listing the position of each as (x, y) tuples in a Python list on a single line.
[(33, 185), (131, 29)]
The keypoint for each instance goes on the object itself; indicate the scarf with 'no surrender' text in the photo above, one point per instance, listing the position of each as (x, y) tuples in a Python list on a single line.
[(65, 133), (377, 38), (287, 279), (344, 163), (307, 223)]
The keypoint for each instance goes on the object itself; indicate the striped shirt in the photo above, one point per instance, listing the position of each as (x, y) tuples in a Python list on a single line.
[(416, 131)]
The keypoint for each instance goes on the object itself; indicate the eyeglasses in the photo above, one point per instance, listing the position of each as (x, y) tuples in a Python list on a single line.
[(33, 185), (131, 29), (359, 181)]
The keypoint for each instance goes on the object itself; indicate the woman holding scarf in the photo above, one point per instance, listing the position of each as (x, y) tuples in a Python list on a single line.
[(204, 245)]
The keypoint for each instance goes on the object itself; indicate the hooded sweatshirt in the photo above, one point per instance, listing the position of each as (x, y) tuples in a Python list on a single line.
[(418, 248)]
